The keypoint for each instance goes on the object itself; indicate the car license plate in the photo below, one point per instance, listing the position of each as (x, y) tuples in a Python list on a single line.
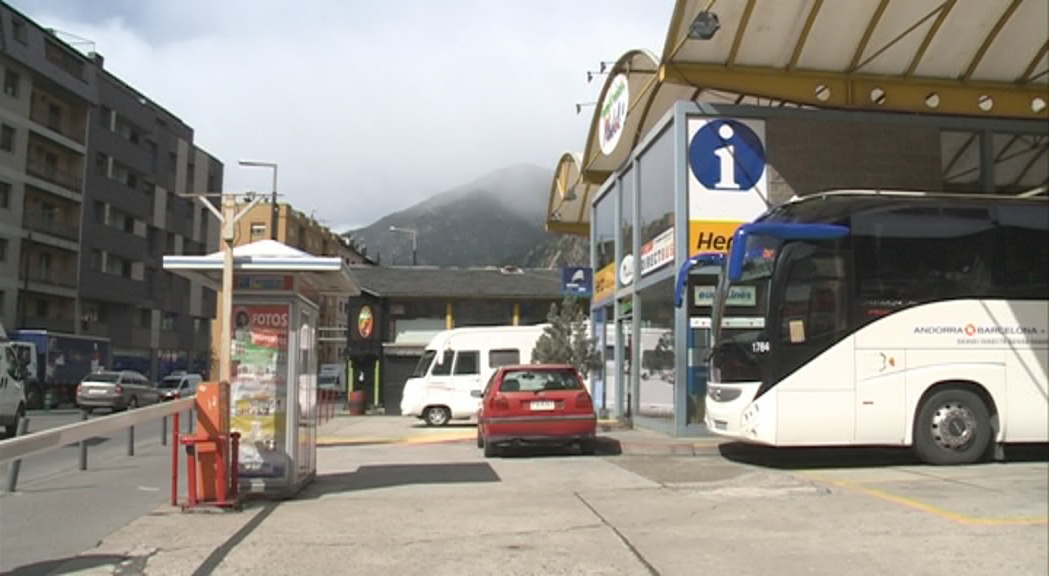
[(96, 390), (542, 405)]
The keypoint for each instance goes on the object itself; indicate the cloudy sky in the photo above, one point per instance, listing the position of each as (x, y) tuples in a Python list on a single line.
[(367, 106)]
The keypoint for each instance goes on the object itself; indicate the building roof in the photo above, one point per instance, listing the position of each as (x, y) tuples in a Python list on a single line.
[(434, 282), (978, 59)]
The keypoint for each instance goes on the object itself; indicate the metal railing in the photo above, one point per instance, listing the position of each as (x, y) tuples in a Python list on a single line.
[(13, 450)]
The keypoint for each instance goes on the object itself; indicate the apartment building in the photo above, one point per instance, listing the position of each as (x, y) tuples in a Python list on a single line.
[(91, 173), (305, 233)]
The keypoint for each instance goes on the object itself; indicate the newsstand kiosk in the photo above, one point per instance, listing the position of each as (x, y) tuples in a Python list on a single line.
[(272, 397)]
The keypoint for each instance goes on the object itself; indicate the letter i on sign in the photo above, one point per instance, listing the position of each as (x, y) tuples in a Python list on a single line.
[(727, 155)]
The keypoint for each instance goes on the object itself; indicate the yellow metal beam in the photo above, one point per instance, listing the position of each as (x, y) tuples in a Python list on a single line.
[(897, 38), (857, 91), (1029, 71), (574, 228), (871, 25), (990, 38), (804, 36), (740, 32), (944, 10)]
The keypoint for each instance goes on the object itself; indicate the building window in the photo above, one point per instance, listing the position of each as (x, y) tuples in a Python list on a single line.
[(167, 322), (11, 80), (258, 230), (5, 195), (3, 249), (19, 29), (7, 138)]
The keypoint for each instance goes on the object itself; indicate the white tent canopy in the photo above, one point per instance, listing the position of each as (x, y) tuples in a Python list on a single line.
[(328, 274)]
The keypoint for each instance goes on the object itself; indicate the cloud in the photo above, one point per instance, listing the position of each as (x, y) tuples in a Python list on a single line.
[(367, 107)]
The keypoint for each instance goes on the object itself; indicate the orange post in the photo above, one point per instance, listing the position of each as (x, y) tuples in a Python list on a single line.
[(174, 457)]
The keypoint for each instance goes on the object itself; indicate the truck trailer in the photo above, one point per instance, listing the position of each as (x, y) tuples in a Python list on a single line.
[(56, 363)]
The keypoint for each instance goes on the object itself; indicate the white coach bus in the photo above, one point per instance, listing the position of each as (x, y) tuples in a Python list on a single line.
[(887, 318)]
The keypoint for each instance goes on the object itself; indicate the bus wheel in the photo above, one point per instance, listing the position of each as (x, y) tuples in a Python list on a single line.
[(953, 427)]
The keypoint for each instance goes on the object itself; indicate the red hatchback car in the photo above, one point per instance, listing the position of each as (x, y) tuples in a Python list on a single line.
[(536, 404)]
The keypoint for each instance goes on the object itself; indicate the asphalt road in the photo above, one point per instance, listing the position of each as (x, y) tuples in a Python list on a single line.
[(59, 511)]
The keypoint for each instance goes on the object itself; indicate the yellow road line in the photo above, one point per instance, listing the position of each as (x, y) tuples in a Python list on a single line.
[(931, 509), (339, 440)]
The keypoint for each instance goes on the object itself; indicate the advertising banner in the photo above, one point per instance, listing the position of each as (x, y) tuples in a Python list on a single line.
[(604, 283), (727, 179), (258, 393)]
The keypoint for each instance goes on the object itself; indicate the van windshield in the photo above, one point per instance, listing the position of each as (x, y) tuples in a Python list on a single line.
[(424, 364), (169, 382)]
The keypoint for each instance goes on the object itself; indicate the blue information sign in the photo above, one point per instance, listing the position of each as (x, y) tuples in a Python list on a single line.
[(577, 281), (726, 155)]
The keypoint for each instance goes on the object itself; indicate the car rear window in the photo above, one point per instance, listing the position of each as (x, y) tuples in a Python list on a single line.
[(539, 380), (104, 377)]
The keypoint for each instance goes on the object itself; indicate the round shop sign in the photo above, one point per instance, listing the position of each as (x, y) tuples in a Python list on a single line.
[(613, 114), (365, 322), (626, 270), (726, 155)]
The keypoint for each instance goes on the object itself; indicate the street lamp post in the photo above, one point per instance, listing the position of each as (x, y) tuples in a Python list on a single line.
[(228, 217), (414, 234), (274, 209)]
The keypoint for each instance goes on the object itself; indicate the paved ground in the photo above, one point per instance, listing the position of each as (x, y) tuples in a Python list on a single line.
[(441, 508), (59, 511)]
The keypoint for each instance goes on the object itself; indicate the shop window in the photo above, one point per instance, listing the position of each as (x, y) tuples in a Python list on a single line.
[(656, 190), (626, 210), (657, 352), (605, 230)]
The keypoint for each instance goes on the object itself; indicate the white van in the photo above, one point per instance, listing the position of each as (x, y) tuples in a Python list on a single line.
[(459, 361)]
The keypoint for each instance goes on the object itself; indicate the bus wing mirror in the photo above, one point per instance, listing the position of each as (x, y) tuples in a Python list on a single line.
[(781, 230), (700, 259)]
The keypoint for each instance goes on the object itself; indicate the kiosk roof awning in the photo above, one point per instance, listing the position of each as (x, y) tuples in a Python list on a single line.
[(328, 274)]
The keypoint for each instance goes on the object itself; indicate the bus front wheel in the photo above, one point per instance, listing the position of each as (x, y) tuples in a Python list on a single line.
[(953, 427)]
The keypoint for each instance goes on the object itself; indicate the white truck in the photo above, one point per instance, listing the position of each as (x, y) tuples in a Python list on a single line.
[(12, 386)]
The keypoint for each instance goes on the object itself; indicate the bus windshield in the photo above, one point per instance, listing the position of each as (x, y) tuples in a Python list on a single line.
[(738, 316)]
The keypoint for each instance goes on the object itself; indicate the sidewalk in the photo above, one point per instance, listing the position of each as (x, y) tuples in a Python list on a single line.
[(168, 541)]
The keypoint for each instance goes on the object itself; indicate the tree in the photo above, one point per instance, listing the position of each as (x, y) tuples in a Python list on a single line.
[(565, 341)]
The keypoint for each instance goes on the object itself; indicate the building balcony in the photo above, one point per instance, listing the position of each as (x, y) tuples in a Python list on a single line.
[(51, 278), (33, 322), (53, 226), (54, 175)]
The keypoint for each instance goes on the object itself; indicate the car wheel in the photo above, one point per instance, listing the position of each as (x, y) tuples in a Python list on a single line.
[(953, 427), (480, 439), (588, 447), (133, 403), (34, 397), (437, 416), (11, 429), (490, 450)]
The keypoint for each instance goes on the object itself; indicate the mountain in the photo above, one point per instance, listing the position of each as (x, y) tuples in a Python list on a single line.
[(496, 220)]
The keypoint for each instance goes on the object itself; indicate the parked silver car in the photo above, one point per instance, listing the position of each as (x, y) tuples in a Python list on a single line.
[(116, 390)]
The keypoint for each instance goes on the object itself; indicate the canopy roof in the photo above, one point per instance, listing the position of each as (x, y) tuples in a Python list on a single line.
[(328, 274), (986, 58)]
